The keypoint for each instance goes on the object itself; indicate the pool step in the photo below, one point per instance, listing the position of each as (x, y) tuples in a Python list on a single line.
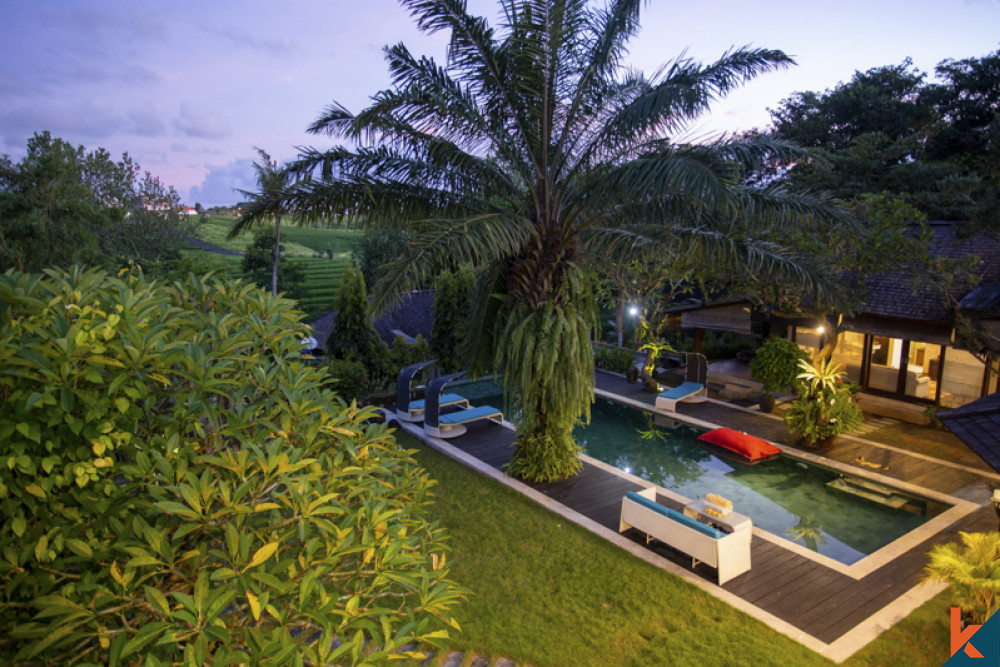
[(863, 488)]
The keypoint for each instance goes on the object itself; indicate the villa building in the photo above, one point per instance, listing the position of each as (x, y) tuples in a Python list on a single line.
[(902, 343)]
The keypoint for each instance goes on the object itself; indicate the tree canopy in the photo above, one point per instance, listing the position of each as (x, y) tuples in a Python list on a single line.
[(61, 205), (935, 144), (532, 151)]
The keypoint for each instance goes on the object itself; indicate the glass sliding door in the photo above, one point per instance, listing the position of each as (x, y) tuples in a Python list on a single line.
[(922, 369), (850, 354)]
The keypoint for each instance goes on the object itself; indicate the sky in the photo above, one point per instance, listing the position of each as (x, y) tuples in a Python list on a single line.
[(190, 88)]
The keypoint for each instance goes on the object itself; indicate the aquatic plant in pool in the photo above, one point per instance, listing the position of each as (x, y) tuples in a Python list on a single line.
[(800, 502)]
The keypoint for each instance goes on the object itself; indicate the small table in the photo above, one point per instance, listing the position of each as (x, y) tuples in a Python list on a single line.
[(731, 523)]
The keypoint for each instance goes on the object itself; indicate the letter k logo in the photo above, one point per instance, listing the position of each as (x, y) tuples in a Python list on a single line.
[(960, 637)]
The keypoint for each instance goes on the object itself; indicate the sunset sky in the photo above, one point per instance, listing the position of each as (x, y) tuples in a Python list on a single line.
[(190, 88)]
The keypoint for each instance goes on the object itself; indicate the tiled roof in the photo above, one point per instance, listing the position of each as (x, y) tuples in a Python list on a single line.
[(977, 425), (414, 316), (896, 295)]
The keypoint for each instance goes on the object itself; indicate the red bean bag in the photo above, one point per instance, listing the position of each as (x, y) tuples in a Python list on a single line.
[(748, 446)]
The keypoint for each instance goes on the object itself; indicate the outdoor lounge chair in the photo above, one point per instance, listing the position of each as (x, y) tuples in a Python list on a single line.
[(413, 411), (451, 424), (695, 386)]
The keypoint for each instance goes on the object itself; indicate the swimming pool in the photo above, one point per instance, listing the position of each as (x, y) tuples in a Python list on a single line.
[(799, 501)]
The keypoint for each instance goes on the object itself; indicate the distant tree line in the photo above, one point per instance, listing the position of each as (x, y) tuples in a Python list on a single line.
[(61, 205)]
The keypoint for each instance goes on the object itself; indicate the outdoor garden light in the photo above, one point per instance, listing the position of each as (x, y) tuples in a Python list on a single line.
[(633, 311), (821, 329)]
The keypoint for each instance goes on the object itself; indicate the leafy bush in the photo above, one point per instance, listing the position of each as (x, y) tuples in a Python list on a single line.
[(972, 571), (825, 405), (615, 359), (350, 378), (776, 364), (177, 486)]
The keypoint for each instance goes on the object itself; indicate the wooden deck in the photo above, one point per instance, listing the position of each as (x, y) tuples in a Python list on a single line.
[(818, 600)]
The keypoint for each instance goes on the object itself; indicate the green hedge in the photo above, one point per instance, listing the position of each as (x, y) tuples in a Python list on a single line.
[(175, 485)]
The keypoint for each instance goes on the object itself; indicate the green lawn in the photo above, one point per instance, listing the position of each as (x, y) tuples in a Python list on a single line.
[(548, 592)]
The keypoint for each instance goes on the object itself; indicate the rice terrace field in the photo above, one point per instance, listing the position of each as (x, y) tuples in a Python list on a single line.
[(324, 253)]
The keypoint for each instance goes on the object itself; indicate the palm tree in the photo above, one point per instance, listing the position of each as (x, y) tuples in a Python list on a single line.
[(266, 202), (531, 150)]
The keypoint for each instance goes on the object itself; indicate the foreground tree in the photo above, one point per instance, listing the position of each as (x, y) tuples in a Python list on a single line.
[(530, 148)]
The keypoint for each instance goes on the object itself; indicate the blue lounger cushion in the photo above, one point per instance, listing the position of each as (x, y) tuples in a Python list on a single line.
[(446, 399), (470, 415), (676, 516), (683, 390)]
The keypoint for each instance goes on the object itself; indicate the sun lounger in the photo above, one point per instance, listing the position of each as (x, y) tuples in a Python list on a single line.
[(413, 411), (451, 424), (689, 392)]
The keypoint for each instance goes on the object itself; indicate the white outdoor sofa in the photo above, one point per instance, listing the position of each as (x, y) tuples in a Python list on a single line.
[(728, 553)]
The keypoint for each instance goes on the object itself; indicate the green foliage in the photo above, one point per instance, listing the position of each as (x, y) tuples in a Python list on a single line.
[(61, 205), (776, 364), (549, 375), (258, 262), (889, 130), (825, 406), (972, 571), (615, 359), (352, 336), (453, 301), (177, 487), (378, 248), (653, 350), (402, 354), (350, 378)]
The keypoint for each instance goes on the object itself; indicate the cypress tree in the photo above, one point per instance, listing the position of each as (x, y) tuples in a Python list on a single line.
[(452, 308), (352, 336)]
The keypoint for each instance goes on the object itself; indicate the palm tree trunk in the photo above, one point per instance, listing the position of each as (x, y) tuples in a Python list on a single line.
[(277, 252)]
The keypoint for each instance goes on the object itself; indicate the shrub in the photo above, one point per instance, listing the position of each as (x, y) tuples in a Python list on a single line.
[(350, 379), (825, 406), (615, 359), (972, 571), (776, 364), (177, 486)]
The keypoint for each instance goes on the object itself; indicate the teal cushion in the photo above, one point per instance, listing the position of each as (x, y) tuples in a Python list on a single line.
[(683, 390), (470, 415), (675, 515)]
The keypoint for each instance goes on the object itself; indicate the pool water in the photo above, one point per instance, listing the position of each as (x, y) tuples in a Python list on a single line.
[(783, 496)]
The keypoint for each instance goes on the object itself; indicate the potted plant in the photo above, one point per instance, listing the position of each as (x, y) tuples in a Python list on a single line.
[(971, 571), (825, 405), (775, 366)]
